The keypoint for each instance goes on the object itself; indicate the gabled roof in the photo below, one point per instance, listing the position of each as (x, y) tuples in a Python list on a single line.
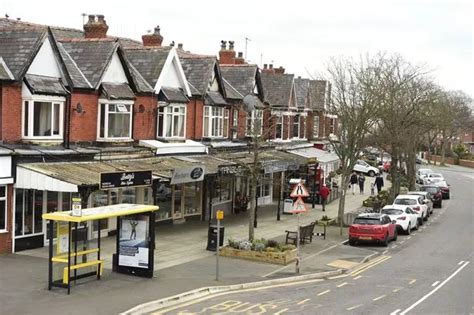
[(117, 91), (198, 70), (149, 62), (242, 77), (214, 98), (318, 89), (231, 92), (277, 88), (92, 56), (174, 95), (141, 85), (77, 77), (39, 84), (302, 90), (5, 73), (18, 47)]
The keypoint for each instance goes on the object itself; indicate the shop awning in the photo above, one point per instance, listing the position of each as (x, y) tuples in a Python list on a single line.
[(162, 148), (311, 152)]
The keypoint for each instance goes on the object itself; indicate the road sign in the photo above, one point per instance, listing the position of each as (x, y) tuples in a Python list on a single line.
[(299, 191), (219, 215), (299, 206)]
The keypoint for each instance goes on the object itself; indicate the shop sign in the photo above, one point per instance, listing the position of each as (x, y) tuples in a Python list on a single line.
[(125, 179), (188, 175), (231, 170), (279, 166)]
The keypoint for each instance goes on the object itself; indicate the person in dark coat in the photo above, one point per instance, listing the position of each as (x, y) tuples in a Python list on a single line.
[(361, 183), (353, 180), (379, 182)]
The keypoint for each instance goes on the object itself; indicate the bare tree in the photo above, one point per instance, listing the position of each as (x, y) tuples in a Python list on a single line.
[(354, 102)]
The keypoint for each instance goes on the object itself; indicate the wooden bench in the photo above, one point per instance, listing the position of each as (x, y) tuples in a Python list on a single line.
[(98, 263), (306, 234)]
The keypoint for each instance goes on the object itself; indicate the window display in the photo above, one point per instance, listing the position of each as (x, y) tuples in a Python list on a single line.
[(192, 198)]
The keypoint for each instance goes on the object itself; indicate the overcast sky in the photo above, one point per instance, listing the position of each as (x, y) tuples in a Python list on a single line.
[(298, 35)]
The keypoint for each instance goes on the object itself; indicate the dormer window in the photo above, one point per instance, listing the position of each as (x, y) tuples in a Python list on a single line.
[(43, 118), (115, 120)]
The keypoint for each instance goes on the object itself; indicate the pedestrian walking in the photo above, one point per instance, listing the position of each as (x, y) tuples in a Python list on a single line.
[(353, 181), (361, 181), (379, 182), (324, 193)]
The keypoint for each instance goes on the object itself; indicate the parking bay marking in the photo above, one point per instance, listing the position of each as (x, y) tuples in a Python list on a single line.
[(354, 307), (379, 298), (324, 292), (435, 284), (412, 281), (342, 284), (435, 289)]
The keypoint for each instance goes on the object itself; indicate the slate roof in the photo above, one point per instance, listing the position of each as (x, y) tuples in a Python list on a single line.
[(231, 92), (277, 88), (241, 77), (39, 84), (140, 83), (77, 77), (92, 56), (302, 89), (174, 95), (214, 98), (117, 91), (317, 93), (5, 73), (193, 90), (198, 70), (18, 47), (148, 62)]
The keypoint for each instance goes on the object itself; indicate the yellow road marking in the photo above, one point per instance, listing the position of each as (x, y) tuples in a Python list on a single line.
[(358, 277), (396, 290), (342, 284), (368, 263), (304, 301), (324, 292), (412, 281), (281, 312), (370, 266), (354, 307), (379, 298)]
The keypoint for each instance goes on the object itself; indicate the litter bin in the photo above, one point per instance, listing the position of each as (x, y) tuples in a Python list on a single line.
[(212, 237)]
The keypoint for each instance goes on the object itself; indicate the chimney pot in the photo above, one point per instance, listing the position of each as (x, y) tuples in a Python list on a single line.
[(153, 40), (241, 54), (231, 45), (180, 45), (265, 66), (270, 66), (100, 18), (91, 18), (172, 43), (223, 45), (157, 30)]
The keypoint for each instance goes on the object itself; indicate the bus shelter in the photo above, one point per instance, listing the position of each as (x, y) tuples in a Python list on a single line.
[(134, 247)]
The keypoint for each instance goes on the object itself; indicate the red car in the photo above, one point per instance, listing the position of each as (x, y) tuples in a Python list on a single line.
[(373, 227)]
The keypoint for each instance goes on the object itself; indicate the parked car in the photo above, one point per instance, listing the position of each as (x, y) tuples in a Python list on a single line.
[(406, 218), (436, 194), (421, 173), (427, 199), (444, 186), (372, 227), (364, 167), (416, 204), (432, 177)]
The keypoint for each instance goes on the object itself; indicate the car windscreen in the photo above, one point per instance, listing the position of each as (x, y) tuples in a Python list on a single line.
[(392, 211), (436, 175), (431, 190), (367, 221), (404, 201)]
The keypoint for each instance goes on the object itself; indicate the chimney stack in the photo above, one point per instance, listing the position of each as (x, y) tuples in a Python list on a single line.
[(227, 56), (155, 39), (96, 27), (280, 70), (265, 66), (180, 46), (240, 59), (268, 68)]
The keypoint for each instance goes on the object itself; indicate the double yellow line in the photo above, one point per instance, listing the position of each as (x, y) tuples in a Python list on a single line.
[(370, 264)]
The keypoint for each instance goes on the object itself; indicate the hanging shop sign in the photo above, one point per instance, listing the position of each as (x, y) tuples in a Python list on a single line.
[(279, 166), (188, 175), (231, 170), (125, 179)]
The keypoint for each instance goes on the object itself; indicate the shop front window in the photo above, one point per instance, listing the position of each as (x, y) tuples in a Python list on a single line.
[(28, 211), (223, 189), (163, 200), (263, 190), (192, 198), (3, 208), (128, 195), (178, 194)]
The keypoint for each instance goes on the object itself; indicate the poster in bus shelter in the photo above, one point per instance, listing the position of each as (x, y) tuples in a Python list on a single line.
[(134, 247)]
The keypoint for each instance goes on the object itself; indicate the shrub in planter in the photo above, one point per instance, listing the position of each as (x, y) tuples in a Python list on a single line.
[(273, 243), (271, 249), (233, 243), (245, 245), (259, 247), (284, 248)]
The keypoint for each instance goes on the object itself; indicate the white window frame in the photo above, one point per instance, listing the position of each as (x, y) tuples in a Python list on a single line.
[(217, 122), (28, 103), (4, 198), (279, 122), (167, 110), (106, 103), (293, 118), (303, 126), (316, 126), (251, 122)]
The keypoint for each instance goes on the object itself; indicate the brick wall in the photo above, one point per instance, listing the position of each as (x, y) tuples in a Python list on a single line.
[(286, 126), (144, 124), (309, 125), (194, 119), (84, 125), (242, 124), (11, 112), (6, 238), (451, 160)]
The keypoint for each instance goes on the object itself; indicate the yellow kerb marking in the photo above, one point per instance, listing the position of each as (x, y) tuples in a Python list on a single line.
[(304, 301), (412, 281)]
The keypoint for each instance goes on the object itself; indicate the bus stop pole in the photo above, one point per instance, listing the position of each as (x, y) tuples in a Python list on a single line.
[(217, 248), (98, 247), (50, 262), (75, 250), (69, 258)]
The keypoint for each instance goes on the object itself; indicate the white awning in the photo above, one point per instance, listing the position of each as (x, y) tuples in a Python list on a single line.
[(321, 155), (188, 146), (29, 179)]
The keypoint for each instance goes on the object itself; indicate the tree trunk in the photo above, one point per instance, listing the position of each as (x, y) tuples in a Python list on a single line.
[(411, 170), (443, 149), (253, 193), (342, 201), (394, 172)]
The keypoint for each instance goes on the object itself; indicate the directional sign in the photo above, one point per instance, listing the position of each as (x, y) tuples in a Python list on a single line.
[(299, 191), (299, 206)]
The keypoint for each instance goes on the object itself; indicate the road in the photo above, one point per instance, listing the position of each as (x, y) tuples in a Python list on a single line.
[(429, 272)]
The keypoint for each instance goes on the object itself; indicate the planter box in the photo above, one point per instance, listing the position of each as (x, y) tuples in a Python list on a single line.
[(279, 258)]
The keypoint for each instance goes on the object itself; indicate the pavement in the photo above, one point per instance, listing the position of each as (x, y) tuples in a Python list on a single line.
[(182, 264)]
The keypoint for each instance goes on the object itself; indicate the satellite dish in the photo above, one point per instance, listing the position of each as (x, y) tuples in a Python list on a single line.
[(250, 102)]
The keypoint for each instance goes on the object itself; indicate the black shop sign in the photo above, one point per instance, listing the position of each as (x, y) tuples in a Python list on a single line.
[(125, 179)]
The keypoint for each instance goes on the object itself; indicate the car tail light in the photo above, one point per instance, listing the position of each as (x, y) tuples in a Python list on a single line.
[(401, 218), (416, 208)]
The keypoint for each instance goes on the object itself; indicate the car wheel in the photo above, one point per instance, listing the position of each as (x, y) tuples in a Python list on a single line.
[(447, 196), (352, 242), (371, 173), (385, 240), (408, 231), (395, 235), (420, 221), (416, 224)]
